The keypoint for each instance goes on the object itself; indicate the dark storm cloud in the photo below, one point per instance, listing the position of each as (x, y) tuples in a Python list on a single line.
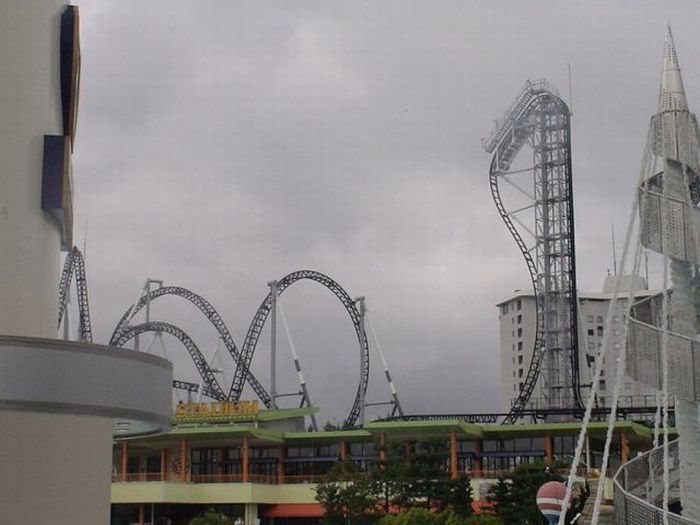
[(225, 144)]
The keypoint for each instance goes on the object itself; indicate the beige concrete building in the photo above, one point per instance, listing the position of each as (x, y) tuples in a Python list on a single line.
[(517, 323)]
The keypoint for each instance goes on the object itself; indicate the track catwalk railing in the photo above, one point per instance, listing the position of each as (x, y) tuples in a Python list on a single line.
[(639, 489)]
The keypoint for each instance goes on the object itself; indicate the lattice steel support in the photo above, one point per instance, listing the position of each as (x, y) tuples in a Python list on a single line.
[(540, 118)]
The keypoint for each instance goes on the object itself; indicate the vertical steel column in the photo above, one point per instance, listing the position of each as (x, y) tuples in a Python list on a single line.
[(363, 344), (273, 343)]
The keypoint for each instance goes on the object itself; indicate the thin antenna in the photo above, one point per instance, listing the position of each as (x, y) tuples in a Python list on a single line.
[(85, 242), (571, 97), (612, 227)]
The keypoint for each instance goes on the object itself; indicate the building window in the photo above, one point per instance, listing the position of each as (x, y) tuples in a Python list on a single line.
[(591, 319), (602, 372), (520, 360), (520, 346), (591, 332), (520, 318), (600, 318), (520, 372), (591, 345), (520, 332), (520, 304), (521, 385), (600, 331), (601, 385), (504, 309)]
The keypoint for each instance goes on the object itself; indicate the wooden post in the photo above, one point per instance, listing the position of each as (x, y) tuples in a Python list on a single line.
[(141, 518), (624, 448), (125, 461), (382, 444), (183, 460), (453, 454), (246, 452), (549, 449), (280, 465), (164, 464), (343, 450), (478, 463)]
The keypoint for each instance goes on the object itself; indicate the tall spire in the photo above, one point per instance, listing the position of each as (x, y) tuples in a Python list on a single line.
[(672, 93)]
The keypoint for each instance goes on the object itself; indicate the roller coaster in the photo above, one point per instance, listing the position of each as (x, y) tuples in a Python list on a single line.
[(539, 118), (125, 331)]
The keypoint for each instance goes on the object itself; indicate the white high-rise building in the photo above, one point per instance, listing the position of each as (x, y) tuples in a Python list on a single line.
[(517, 318)]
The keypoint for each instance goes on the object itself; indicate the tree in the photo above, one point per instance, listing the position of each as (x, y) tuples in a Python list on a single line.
[(401, 480), (415, 516), (390, 478), (515, 495), (431, 482), (211, 517), (347, 496)]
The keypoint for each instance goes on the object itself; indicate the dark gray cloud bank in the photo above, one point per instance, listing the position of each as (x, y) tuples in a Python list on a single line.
[(224, 144)]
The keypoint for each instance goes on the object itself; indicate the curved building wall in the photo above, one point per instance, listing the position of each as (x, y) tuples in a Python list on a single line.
[(30, 106)]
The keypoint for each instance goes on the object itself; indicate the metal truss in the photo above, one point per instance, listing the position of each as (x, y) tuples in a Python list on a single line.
[(540, 119), (209, 312), (75, 265), (639, 414), (256, 326), (178, 384), (212, 388), (244, 357)]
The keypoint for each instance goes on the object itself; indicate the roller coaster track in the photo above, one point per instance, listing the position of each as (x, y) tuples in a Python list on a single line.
[(209, 312), (258, 322), (75, 265), (124, 332), (211, 385), (540, 118)]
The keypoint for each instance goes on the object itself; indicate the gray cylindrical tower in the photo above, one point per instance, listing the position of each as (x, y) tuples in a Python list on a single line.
[(58, 400)]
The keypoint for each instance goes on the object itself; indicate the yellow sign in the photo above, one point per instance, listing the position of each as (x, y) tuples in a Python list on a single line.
[(218, 408)]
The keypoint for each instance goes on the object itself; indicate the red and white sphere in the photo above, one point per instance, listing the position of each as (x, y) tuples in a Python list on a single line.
[(550, 499)]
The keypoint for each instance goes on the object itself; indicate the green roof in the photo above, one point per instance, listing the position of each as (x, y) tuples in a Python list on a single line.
[(333, 436), (263, 415), (563, 429), (423, 428)]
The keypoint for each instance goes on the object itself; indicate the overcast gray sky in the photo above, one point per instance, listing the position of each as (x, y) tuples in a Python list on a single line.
[(223, 144)]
